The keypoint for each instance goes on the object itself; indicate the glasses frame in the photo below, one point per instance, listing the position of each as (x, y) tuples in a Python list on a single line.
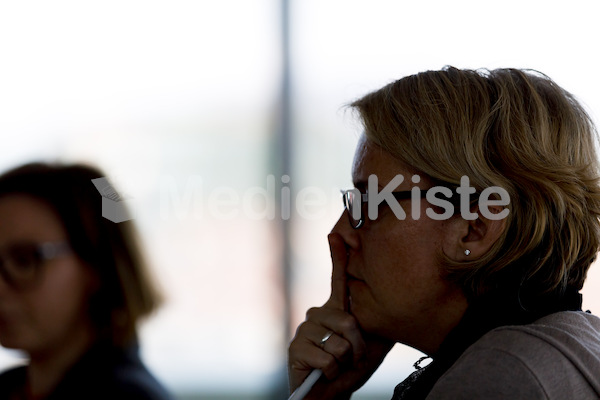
[(45, 251), (364, 198)]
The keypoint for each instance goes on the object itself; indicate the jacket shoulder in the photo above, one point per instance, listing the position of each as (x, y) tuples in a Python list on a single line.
[(523, 362)]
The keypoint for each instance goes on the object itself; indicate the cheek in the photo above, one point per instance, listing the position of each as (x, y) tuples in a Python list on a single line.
[(62, 299), (404, 263), (398, 246)]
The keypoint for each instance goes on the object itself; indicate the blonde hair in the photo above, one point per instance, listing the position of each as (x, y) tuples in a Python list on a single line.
[(510, 128)]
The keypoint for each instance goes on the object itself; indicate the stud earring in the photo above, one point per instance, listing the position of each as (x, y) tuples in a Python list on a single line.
[(467, 252)]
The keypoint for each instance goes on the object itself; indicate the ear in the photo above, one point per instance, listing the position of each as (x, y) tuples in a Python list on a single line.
[(471, 239)]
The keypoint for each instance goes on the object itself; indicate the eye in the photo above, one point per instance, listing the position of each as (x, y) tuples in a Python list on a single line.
[(24, 259)]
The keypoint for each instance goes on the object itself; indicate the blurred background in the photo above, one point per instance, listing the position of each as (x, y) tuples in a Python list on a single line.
[(226, 123)]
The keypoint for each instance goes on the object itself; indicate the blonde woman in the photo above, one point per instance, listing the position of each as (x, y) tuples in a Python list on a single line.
[(489, 290)]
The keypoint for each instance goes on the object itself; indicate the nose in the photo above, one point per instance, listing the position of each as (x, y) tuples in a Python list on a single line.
[(349, 234)]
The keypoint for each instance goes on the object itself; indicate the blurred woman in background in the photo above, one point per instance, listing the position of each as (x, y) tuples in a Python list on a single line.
[(73, 287)]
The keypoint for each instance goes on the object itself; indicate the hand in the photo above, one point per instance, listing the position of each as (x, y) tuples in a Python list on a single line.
[(349, 357)]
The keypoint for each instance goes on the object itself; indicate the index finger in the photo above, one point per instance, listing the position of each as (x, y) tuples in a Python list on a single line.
[(339, 258)]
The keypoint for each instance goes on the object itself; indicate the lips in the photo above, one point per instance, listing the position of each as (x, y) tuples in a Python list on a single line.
[(350, 277)]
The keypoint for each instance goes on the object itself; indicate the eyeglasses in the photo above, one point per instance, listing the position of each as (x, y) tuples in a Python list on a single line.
[(21, 263), (354, 201)]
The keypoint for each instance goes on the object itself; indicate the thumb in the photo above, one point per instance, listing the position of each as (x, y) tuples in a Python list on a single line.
[(339, 258)]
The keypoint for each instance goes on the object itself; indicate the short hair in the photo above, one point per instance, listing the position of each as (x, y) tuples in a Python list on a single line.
[(512, 128), (126, 292)]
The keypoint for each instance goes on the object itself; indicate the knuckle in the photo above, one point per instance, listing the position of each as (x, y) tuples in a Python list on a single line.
[(348, 323), (299, 331), (302, 334), (359, 353), (330, 368), (327, 362), (311, 312), (296, 367), (341, 350), (343, 347), (292, 349)]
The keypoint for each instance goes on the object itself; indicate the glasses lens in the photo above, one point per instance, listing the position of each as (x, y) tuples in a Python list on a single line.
[(354, 207), (22, 264)]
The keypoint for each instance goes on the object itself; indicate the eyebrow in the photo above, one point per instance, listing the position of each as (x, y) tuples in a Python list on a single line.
[(362, 185)]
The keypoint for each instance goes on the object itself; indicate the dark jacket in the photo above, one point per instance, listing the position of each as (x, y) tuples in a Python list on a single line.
[(104, 372)]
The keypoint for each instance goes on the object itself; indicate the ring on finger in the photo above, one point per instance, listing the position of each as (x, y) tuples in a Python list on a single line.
[(326, 338)]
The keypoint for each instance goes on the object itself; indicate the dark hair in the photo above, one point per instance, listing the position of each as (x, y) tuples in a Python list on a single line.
[(510, 128), (126, 292)]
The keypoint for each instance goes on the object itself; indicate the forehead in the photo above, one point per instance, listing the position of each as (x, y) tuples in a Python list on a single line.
[(370, 159), (25, 218)]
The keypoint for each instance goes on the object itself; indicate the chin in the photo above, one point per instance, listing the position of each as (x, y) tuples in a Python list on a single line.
[(10, 343), (363, 316), (370, 324), (11, 339)]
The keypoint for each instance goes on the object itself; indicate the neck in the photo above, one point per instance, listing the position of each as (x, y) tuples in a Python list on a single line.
[(49, 366), (440, 324)]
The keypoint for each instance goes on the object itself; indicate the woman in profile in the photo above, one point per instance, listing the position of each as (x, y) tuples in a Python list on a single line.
[(493, 298), (73, 287)]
